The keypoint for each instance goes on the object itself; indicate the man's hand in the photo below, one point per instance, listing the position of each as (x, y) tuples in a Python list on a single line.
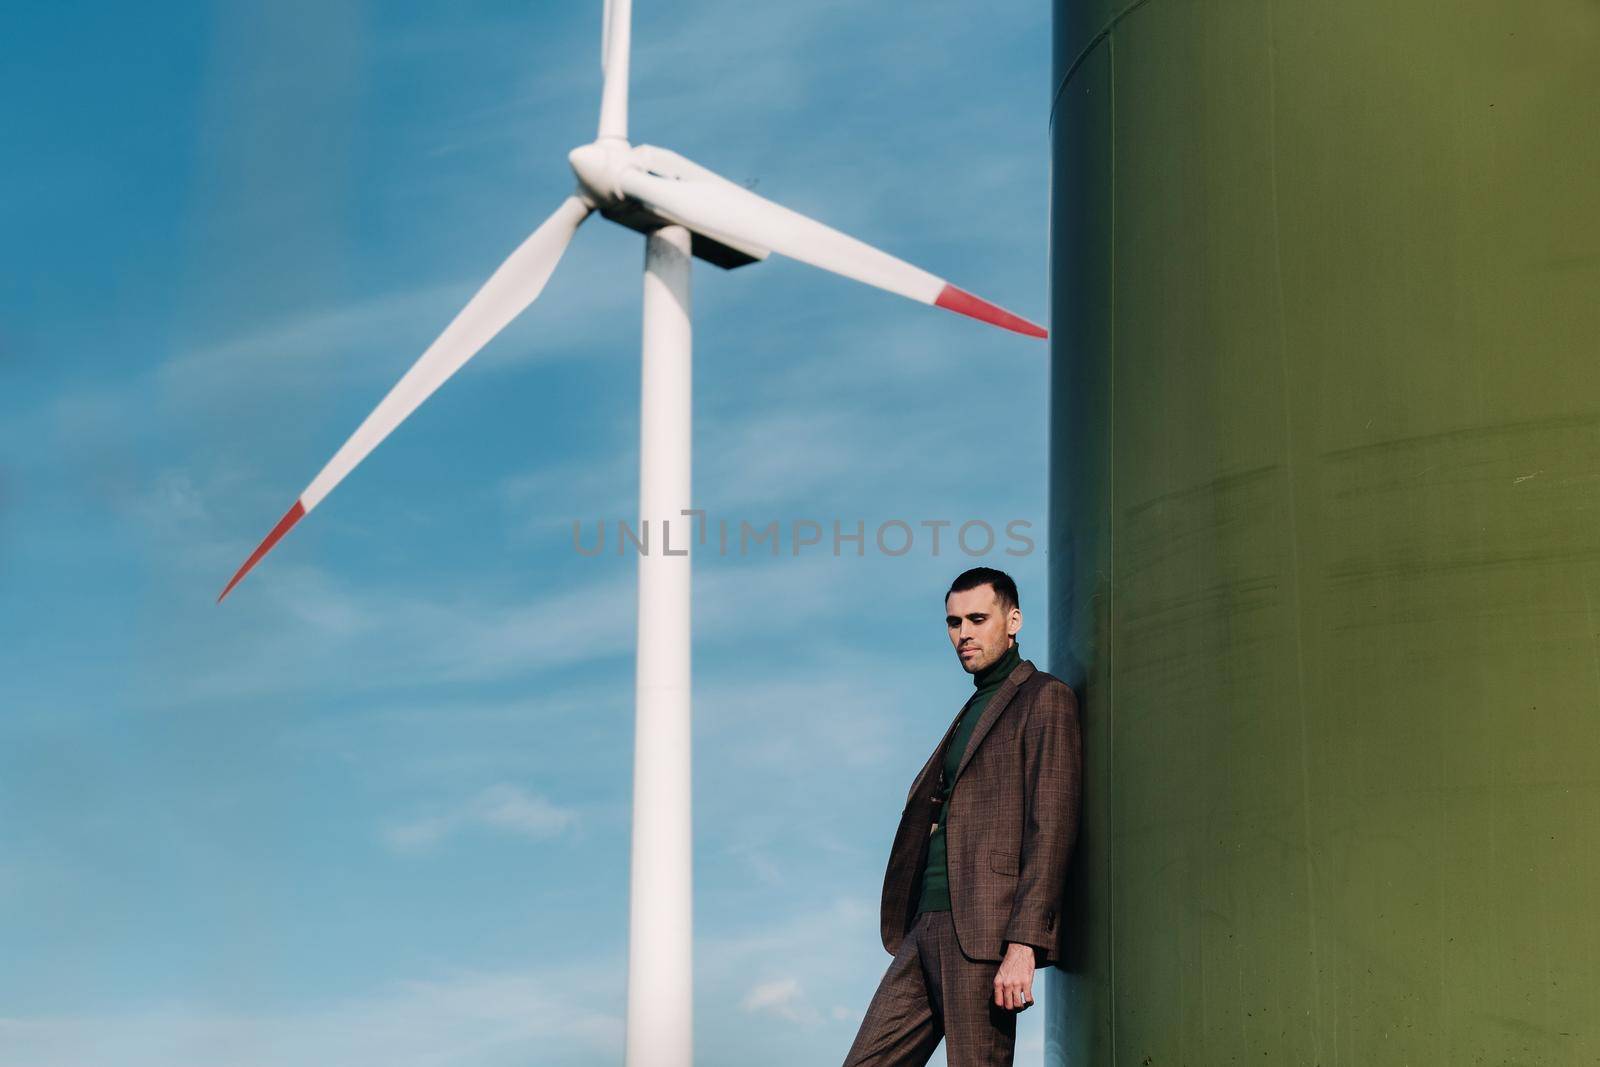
[(1013, 982)]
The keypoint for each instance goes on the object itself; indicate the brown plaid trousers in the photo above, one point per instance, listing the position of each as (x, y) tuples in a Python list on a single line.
[(932, 992), (1009, 831)]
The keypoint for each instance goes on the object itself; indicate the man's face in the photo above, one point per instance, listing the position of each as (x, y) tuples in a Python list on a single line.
[(980, 630)]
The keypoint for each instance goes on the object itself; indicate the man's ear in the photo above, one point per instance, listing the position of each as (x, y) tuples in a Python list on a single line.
[(1016, 617)]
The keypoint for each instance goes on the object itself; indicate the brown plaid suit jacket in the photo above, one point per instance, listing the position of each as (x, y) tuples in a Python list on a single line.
[(1011, 825)]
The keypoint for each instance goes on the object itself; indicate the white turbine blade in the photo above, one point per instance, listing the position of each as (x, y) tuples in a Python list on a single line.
[(614, 46), (687, 193), (507, 292)]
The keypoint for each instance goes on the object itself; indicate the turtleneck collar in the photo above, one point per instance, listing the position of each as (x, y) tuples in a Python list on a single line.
[(995, 673)]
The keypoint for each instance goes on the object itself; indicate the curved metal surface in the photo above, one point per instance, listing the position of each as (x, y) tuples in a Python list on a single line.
[(1325, 529)]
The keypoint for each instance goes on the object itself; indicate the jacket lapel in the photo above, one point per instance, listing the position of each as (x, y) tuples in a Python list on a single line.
[(991, 714), (920, 785)]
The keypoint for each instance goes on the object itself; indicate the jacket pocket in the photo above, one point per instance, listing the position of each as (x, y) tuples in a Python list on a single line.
[(1003, 862)]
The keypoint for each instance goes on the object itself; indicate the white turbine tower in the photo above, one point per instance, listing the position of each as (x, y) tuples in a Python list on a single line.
[(683, 209)]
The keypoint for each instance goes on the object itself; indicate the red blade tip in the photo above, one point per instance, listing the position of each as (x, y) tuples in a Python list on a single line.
[(964, 303), (285, 524)]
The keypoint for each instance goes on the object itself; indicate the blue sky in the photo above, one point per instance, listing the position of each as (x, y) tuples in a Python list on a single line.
[(374, 808)]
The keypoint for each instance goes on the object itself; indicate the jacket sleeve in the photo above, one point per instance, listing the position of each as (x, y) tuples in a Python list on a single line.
[(1052, 768)]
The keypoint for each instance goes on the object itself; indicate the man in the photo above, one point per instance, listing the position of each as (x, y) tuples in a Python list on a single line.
[(971, 898)]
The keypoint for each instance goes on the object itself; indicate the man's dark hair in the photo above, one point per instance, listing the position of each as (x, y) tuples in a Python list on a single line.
[(1005, 590)]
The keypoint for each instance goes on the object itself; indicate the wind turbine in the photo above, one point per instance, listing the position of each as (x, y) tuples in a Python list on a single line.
[(684, 210)]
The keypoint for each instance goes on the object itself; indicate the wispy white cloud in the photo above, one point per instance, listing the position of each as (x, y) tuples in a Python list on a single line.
[(447, 746), (774, 458), (262, 377), (259, 366), (296, 351), (781, 997), (340, 639), (526, 494), (504, 808), (833, 947), (759, 860), (773, 969), (802, 939), (483, 1018), (777, 723)]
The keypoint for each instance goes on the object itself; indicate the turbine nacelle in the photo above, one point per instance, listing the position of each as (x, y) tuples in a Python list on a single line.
[(614, 178)]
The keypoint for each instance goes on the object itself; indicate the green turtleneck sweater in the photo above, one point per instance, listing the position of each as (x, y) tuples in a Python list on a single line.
[(935, 880)]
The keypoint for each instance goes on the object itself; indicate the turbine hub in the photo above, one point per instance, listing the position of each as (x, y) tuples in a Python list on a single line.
[(598, 166)]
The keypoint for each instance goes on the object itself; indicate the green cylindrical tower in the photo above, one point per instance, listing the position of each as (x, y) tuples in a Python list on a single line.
[(1325, 529)]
